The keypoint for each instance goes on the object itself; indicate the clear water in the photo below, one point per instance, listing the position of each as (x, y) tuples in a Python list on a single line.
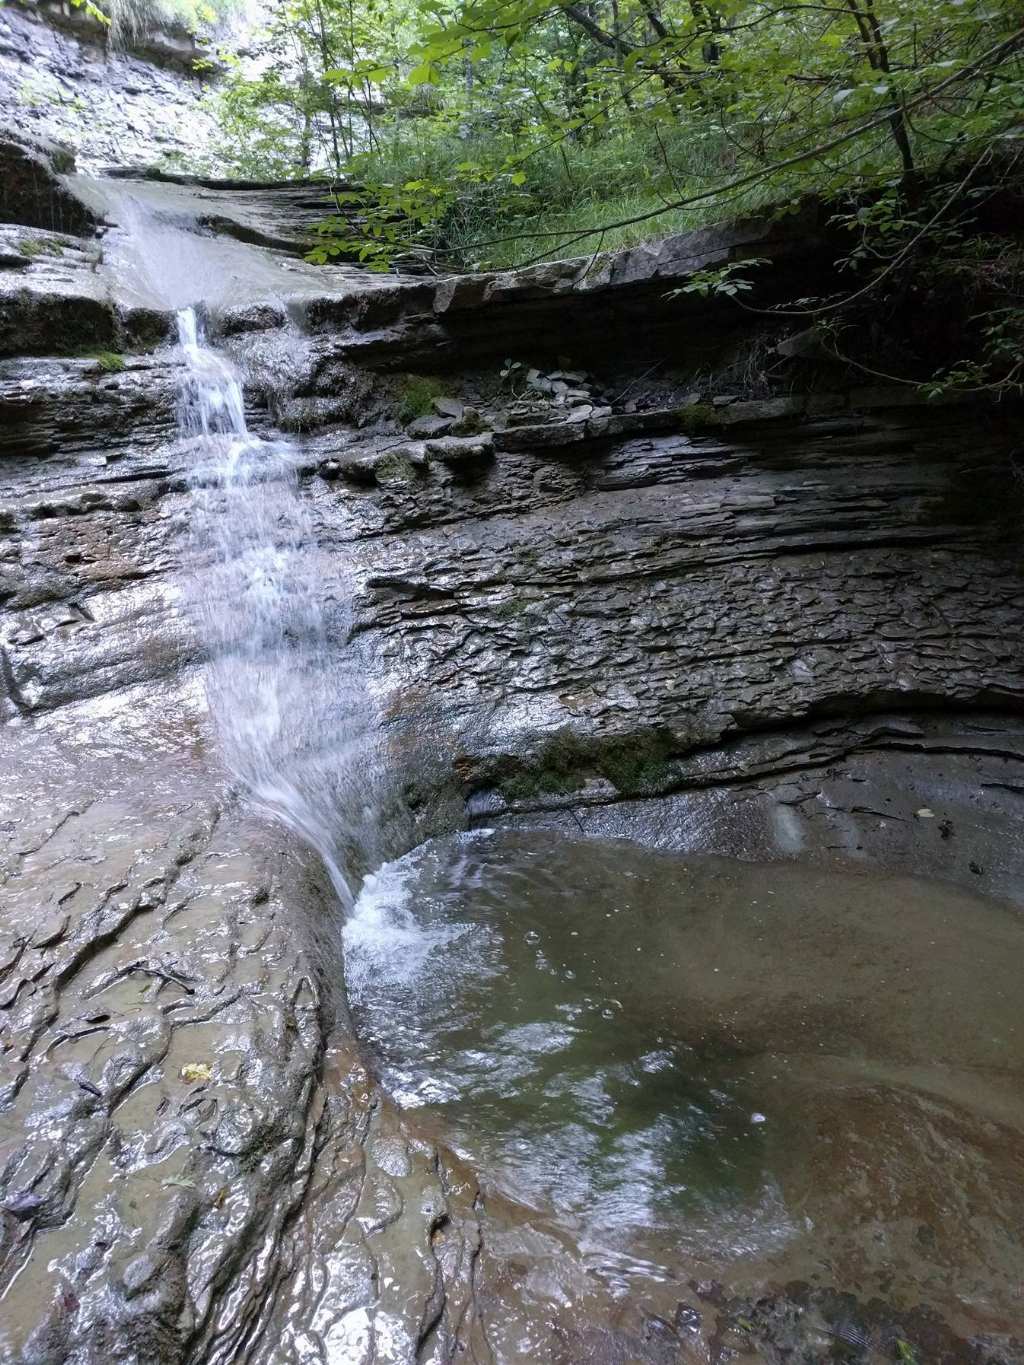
[(285, 686), (292, 716), (699, 1066)]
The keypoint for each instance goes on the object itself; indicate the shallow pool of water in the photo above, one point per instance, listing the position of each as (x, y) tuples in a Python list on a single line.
[(701, 1067)]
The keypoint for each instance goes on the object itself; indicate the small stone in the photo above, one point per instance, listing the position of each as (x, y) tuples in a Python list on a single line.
[(925, 814), (430, 426), (195, 1072), (469, 424), (805, 343), (458, 449), (448, 407), (724, 399)]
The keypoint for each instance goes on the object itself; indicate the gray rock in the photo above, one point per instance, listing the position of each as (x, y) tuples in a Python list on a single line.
[(462, 449), (32, 191), (779, 640), (60, 81), (430, 426)]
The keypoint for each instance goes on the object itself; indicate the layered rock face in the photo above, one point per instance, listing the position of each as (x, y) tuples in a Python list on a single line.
[(601, 590), (59, 80)]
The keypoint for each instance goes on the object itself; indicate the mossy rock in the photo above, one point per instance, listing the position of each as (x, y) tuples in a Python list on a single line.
[(31, 247), (416, 396), (636, 765), (110, 362), (695, 418), (394, 467), (511, 609)]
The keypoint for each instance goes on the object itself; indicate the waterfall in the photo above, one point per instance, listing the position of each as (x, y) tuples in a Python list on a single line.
[(286, 688), (291, 717)]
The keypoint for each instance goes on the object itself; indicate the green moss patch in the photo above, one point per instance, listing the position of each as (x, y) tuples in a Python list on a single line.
[(698, 417), (110, 362), (31, 247), (416, 397), (636, 765)]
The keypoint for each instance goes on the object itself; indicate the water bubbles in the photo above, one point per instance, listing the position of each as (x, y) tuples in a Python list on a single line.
[(531, 936), (758, 1118)]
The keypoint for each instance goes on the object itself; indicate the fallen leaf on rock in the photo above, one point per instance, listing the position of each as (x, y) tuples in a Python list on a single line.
[(196, 1071)]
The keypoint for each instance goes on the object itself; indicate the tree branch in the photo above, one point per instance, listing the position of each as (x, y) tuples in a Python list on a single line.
[(994, 55)]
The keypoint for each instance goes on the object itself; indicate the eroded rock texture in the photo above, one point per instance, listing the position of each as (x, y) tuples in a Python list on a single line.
[(762, 625), (804, 632), (58, 80)]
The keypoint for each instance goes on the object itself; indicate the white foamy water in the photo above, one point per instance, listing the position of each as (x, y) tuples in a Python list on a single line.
[(272, 608), (291, 716)]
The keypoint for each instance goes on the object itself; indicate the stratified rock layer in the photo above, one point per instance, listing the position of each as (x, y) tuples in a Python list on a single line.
[(769, 627), (733, 618), (60, 80)]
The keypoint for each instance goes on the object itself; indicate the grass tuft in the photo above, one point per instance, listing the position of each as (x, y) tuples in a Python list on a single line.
[(31, 247), (416, 397), (109, 361)]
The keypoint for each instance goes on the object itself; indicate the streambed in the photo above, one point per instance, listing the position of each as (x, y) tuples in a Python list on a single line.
[(709, 1070)]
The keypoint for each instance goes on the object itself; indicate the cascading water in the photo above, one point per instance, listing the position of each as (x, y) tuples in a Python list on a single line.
[(285, 686), (292, 725)]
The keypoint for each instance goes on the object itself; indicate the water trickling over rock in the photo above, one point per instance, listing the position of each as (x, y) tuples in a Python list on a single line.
[(291, 717)]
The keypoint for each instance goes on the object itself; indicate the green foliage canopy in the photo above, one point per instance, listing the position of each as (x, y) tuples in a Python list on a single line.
[(499, 131)]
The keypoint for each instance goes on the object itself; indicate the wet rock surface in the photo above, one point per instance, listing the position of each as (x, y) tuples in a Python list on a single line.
[(59, 81), (774, 626), (796, 637)]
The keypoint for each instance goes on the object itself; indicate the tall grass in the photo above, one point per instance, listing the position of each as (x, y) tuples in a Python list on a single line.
[(570, 185)]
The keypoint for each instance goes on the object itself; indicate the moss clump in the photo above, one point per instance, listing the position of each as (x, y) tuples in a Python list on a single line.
[(416, 397), (698, 417), (636, 765), (394, 468), (31, 247), (62, 160), (511, 608), (108, 361)]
